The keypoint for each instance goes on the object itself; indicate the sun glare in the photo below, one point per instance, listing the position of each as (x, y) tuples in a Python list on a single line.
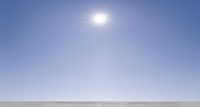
[(99, 19)]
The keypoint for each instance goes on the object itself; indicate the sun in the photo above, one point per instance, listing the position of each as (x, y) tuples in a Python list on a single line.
[(99, 19)]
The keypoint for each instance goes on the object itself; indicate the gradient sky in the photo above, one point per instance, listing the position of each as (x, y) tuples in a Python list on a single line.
[(150, 50)]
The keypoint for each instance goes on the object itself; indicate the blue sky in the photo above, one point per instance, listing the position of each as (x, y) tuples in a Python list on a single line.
[(148, 52)]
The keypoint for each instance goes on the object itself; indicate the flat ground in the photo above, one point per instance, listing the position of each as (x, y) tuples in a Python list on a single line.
[(99, 104)]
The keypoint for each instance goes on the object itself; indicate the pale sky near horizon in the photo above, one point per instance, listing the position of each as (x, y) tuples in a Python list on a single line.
[(149, 50)]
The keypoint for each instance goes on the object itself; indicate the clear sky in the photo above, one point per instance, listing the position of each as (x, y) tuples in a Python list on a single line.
[(149, 50)]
